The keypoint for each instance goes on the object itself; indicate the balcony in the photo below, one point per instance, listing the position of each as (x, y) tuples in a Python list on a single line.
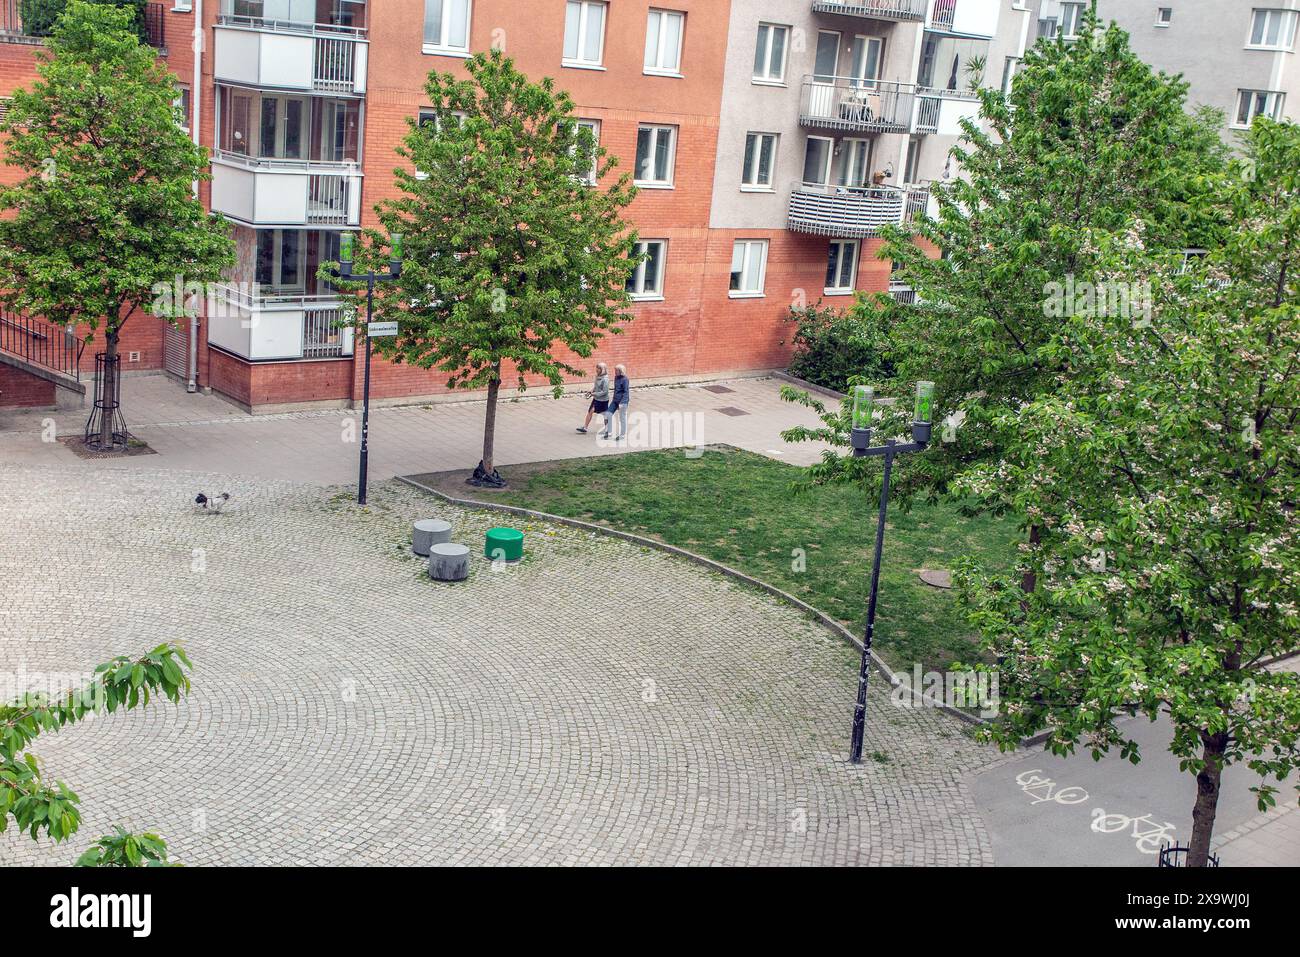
[(978, 18), (846, 213), (849, 104), (311, 57), (901, 10), (152, 25), (278, 328), (941, 111), (285, 192)]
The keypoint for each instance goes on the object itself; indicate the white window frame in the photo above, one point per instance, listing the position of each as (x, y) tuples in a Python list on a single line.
[(1164, 16), (652, 291), (1069, 28), (184, 106), (1274, 98), (594, 125), (827, 166), (584, 17), (749, 176), (753, 256), (656, 68), (842, 245), (768, 79), (444, 48), (659, 129), (1286, 30)]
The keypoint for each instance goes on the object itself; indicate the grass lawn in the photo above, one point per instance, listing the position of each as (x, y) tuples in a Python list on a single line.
[(737, 508)]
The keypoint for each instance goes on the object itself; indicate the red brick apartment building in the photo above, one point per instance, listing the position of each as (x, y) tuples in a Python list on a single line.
[(756, 129)]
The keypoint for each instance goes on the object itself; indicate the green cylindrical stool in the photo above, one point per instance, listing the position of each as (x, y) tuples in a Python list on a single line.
[(504, 545)]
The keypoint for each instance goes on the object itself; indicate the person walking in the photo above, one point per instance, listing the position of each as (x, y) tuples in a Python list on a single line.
[(599, 399), (622, 390)]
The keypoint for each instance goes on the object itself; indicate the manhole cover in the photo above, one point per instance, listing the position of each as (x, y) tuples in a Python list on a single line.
[(732, 410), (938, 578), (718, 389)]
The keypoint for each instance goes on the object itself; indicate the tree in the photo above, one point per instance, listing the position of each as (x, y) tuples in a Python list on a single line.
[(515, 260), (1088, 137), (106, 212), (1168, 564), (40, 16), (124, 849), (33, 802)]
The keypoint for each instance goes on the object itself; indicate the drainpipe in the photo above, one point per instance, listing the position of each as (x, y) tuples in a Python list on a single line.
[(196, 105)]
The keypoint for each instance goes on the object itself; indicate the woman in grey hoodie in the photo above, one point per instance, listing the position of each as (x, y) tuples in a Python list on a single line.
[(599, 399)]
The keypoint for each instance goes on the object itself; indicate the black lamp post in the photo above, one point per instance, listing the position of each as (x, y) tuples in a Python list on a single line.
[(863, 400), (346, 245)]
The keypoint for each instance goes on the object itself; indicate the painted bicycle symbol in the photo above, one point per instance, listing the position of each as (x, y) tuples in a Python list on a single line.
[(1043, 789), (1148, 839)]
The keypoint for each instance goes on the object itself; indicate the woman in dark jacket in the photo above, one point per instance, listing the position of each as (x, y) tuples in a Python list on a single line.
[(622, 390)]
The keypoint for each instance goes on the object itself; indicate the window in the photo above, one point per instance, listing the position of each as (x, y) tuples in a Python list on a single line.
[(1071, 18), (655, 148), (584, 33), (1272, 29), (647, 282), (663, 42), (1253, 103), (769, 57), (1047, 28), (1009, 69), (280, 260), (1164, 16), (182, 104), (589, 177), (446, 26), (748, 265), (760, 157), (841, 267), (817, 161), (854, 163)]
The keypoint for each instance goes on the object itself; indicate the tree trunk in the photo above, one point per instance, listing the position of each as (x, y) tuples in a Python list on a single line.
[(108, 417), (1029, 581), (1207, 798), (490, 422)]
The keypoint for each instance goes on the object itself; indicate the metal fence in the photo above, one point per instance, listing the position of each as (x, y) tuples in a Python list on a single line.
[(889, 9), (41, 343), (322, 333), (944, 11), (335, 65), (153, 24), (851, 103), (1175, 855)]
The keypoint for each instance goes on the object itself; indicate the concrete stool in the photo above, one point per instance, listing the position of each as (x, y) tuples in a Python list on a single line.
[(427, 533), (504, 544), (449, 562)]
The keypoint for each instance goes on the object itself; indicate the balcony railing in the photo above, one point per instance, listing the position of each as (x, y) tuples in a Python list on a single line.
[(286, 192), (295, 56), (902, 293), (944, 12), (846, 213), (264, 328), (42, 343), (153, 25), (874, 9), (851, 104)]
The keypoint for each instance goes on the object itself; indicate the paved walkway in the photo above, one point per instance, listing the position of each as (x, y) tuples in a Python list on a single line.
[(598, 704), (320, 447)]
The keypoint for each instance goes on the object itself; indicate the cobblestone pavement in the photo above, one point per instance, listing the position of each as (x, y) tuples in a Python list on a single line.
[(599, 703)]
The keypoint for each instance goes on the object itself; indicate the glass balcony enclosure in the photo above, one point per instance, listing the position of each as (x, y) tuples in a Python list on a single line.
[(342, 15), (287, 127), (952, 63)]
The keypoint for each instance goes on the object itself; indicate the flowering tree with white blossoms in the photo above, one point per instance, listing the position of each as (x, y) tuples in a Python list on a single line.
[(1165, 477)]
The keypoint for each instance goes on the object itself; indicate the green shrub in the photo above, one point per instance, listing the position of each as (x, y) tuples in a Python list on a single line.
[(831, 346)]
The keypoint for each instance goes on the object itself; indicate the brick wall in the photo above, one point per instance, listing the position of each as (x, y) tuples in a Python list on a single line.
[(22, 390)]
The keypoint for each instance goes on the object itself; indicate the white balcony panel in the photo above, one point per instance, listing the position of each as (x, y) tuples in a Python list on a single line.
[(977, 18), (290, 61), (301, 196), (231, 329), (952, 112)]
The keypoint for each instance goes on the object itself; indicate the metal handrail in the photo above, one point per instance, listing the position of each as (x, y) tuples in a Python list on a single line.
[(291, 26), (271, 164), (234, 296), (900, 9), (42, 343)]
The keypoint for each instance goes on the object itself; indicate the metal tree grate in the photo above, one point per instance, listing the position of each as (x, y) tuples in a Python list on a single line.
[(107, 407)]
